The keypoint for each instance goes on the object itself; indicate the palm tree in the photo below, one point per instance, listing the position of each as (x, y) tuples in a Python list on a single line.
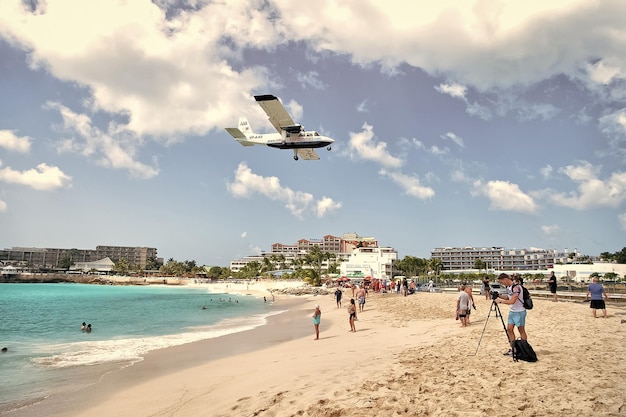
[(315, 259)]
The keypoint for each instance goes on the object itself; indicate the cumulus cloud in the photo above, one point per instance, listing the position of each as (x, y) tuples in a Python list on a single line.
[(10, 141), (113, 150), (44, 177), (247, 183), (410, 184), (364, 147), (3, 206), (326, 204), (505, 196), (592, 191), (161, 71), (244, 235), (453, 90)]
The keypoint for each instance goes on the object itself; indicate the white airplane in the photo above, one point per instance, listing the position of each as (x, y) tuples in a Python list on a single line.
[(290, 135)]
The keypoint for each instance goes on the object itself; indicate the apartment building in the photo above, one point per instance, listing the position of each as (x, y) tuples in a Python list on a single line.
[(52, 258), (501, 259)]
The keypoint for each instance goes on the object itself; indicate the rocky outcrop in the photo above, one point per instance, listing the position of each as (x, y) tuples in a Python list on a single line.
[(301, 291)]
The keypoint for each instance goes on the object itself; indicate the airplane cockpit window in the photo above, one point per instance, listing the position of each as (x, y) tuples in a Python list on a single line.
[(317, 134)]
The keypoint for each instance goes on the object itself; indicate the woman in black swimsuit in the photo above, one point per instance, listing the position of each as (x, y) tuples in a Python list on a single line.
[(352, 312)]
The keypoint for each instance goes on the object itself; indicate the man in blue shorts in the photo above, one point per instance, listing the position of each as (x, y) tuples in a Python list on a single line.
[(517, 312)]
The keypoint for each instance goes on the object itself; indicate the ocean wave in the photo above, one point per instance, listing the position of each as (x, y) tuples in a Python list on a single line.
[(133, 349)]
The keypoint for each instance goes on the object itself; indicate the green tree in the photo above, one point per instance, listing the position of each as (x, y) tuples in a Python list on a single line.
[(315, 260), (480, 264), (121, 267), (412, 266)]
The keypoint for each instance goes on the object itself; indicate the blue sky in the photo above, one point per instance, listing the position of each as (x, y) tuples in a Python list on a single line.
[(475, 123)]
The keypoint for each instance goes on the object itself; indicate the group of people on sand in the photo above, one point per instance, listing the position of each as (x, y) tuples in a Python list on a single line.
[(361, 294), (85, 328)]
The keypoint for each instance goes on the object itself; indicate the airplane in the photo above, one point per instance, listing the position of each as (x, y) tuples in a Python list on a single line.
[(290, 135)]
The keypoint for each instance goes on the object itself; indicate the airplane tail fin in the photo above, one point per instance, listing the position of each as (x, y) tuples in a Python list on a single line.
[(242, 132)]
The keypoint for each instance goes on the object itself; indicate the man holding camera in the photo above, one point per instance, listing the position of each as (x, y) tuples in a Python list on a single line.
[(517, 312)]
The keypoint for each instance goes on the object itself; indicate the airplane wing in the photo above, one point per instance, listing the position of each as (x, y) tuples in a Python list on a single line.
[(278, 116), (308, 154)]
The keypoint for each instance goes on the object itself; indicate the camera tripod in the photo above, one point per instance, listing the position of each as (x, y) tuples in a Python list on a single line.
[(494, 307)]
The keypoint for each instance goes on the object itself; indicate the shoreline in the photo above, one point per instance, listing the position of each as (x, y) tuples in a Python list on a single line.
[(112, 377), (408, 356)]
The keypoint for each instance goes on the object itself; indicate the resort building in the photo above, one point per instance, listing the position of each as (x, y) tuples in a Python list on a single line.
[(501, 259), (283, 256), (369, 262), (54, 258)]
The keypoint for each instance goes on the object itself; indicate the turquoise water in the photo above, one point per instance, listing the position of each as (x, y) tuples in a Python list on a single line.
[(40, 324)]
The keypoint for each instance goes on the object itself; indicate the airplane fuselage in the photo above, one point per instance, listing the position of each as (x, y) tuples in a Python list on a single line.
[(301, 140)]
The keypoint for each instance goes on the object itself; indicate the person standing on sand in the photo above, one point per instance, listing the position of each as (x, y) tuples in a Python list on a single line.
[(486, 288), (598, 295), (352, 313), (517, 312), (468, 290), (462, 305), (552, 286), (360, 294), (317, 318), (338, 295)]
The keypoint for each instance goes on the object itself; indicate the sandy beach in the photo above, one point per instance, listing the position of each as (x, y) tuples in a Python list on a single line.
[(409, 356)]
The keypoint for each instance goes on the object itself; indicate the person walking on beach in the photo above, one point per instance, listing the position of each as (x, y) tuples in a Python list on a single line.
[(317, 318), (598, 295), (552, 286), (468, 290), (352, 314), (486, 288), (338, 295), (462, 305), (517, 312), (360, 294)]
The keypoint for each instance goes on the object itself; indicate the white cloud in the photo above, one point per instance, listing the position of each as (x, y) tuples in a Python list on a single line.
[(454, 138), (247, 183), (162, 73), (546, 172), (453, 90), (44, 177), (505, 196), (9, 140), (113, 150), (325, 205), (3, 206), (244, 235), (365, 148), (550, 230), (362, 107), (613, 126), (592, 191), (410, 184), (603, 73), (621, 218), (310, 79)]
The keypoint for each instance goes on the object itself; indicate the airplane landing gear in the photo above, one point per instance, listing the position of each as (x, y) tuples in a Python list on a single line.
[(328, 148), (295, 157)]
